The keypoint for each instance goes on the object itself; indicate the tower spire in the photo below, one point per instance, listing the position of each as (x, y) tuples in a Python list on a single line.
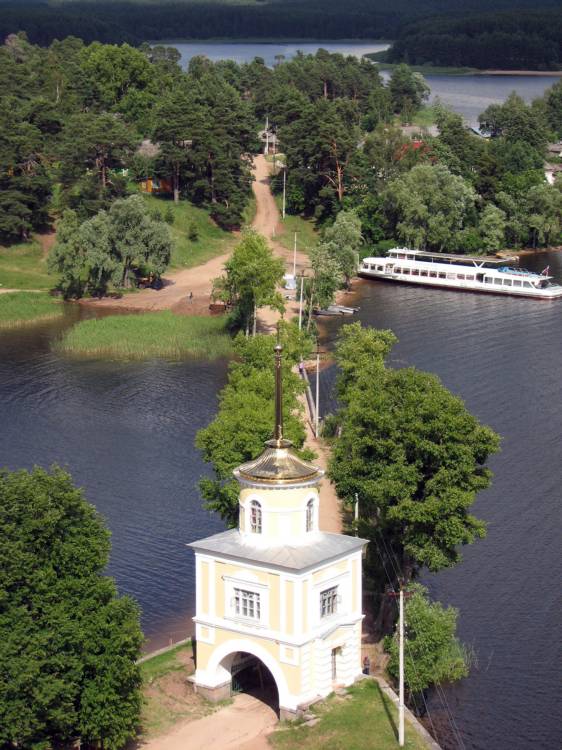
[(278, 433)]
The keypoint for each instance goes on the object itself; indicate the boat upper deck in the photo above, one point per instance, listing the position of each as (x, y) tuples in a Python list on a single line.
[(480, 261)]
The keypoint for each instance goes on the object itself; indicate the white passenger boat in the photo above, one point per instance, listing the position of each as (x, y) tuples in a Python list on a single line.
[(473, 274)]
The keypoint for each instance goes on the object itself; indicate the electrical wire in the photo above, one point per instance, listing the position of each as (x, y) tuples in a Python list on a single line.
[(398, 576), (439, 690)]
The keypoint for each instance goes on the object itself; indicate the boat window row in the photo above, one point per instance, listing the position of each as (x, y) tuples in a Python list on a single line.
[(507, 282), (433, 274)]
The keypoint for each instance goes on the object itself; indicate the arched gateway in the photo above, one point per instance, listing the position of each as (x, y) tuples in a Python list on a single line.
[(277, 590)]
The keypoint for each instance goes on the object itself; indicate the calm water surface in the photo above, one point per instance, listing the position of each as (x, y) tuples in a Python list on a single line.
[(504, 358), (125, 432), (246, 51), (467, 95)]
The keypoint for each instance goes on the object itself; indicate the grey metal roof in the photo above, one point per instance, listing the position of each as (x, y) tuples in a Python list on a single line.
[(318, 548)]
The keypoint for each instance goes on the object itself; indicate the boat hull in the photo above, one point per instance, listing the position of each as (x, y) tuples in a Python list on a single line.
[(541, 294)]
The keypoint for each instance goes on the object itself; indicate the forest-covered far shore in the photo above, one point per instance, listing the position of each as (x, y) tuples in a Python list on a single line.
[(516, 35)]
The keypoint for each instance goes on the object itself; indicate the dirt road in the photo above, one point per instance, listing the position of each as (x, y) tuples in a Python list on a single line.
[(243, 725), (199, 280)]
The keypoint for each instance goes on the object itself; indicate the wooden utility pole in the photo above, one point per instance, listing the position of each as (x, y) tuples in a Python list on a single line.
[(300, 303), (284, 189), (401, 670)]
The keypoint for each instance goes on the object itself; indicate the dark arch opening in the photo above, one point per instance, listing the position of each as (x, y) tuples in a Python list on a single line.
[(250, 675)]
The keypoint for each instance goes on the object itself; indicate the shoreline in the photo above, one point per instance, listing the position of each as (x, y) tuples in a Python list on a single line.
[(437, 70)]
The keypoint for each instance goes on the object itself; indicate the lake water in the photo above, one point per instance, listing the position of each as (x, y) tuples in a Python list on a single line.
[(503, 356), (126, 433), (242, 52), (467, 95)]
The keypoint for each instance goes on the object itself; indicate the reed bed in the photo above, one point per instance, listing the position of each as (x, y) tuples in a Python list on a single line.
[(24, 308), (148, 336)]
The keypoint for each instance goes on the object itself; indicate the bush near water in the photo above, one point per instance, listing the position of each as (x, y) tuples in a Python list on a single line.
[(20, 308), (159, 334)]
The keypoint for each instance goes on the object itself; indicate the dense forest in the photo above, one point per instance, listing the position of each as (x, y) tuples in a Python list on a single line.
[(137, 21), (73, 118), (511, 40)]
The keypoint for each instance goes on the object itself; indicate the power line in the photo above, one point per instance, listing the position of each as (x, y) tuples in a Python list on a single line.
[(440, 694), (398, 575)]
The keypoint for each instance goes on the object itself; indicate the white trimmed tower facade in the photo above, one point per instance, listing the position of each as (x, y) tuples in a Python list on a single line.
[(277, 589)]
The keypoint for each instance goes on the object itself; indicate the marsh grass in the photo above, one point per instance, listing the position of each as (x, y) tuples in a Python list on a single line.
[(23, 308), (147, 336)]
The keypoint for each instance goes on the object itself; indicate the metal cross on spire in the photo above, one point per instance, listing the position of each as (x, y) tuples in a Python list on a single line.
[(278, 433)]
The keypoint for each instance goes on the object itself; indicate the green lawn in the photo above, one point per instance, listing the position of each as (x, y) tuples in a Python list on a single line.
[(307, 236), (21, 308), (24, 267), (211, 239), (148, 336), (162, 664), (424, 117), (364, 718)]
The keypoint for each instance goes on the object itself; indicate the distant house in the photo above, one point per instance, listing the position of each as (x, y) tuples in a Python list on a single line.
[(555, 149), (552, 172), (411, 147), (156, 186), (153, 185)]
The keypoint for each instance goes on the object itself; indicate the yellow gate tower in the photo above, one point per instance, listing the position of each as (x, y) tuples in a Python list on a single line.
[(277, 592)]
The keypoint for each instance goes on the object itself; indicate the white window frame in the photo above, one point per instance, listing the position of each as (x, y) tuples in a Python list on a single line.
[(331, 597), (247, 604), (256, 527), (246, 582), (310, 515)]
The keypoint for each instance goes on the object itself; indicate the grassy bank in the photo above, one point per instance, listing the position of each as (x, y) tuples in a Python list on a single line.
[(23, 308), (24, 267), (158, 334), (307, 236), (195, 235), (364, 717), (426, 70), (168, 697)]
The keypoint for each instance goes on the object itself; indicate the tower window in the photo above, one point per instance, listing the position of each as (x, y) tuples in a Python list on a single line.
[(247, 604), (255, 517), (310, 515), (329, 602)]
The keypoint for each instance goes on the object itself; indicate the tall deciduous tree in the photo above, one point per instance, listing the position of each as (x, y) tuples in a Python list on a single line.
[(515, 121), (428, 206), (68, 642), (410, 451), (434, 654), (408, 90), (492, 228), (252, 275), (342, 241), (111, 246)]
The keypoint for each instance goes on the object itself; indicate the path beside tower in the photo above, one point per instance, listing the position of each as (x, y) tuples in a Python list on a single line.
[(243, 725)]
